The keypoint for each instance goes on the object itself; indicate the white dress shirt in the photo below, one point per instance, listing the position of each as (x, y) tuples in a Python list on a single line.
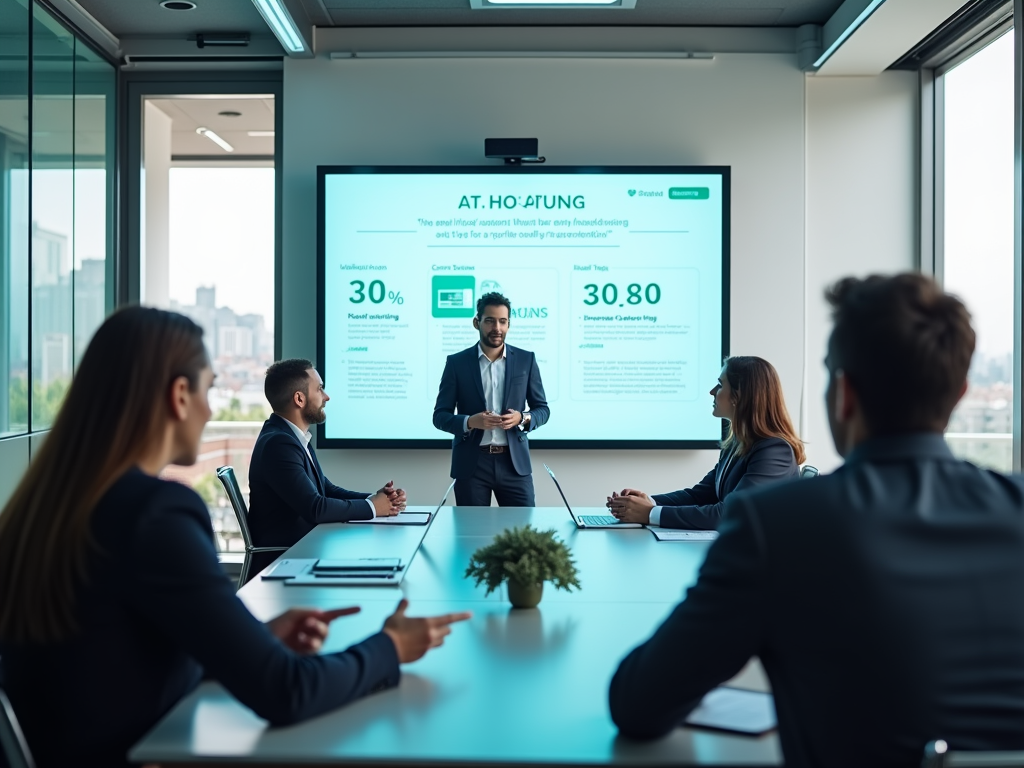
[(492, 376), (304, 438)]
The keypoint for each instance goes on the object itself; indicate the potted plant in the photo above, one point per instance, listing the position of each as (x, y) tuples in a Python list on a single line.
[(525, 558)]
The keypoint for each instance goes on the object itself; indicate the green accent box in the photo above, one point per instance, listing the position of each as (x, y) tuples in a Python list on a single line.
[(453, 296), (688, 193)]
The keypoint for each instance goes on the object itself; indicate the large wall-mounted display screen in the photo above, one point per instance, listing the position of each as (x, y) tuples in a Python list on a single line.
[(618, 279)]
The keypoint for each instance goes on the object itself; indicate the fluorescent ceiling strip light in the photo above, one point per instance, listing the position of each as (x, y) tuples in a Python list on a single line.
[(281, 23), (215, 139), (260, 134), (552, 2), (871, 8), (341, 55)]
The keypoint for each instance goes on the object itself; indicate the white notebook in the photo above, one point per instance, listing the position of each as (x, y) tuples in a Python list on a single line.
[(736, 710), (404, 518)]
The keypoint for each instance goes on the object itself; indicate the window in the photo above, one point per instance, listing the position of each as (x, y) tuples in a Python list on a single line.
[(14, 217), (215, 263), (56, 185), (977, 236)]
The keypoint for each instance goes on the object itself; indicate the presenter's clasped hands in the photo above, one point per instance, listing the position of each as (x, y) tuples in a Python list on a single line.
[(485, 420), (414, 637), (631, 506), (305, 629), (490, 420), (511, 418)]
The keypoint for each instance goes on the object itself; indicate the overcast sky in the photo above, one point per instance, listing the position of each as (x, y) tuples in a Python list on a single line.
[(979, 192), (222, 234)]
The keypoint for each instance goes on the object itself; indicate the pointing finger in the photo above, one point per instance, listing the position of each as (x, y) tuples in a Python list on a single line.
[(335, 613)]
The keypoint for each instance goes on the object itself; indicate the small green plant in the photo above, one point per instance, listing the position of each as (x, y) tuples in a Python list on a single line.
[(524, 555)]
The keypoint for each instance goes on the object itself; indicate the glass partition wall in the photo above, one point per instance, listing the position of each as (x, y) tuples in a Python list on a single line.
[(56, 209)]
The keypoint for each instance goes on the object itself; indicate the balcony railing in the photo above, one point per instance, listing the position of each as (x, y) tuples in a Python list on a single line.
[(992, 450)]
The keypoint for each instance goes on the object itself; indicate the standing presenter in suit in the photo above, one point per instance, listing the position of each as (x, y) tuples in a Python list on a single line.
[(484, 393), (762, 447)]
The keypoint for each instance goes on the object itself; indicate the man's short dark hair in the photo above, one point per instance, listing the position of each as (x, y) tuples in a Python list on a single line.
[(493, 299), (284, 379), (905, 345)]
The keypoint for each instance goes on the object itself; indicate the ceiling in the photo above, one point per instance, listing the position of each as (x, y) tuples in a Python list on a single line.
[(256, 113), (146, 17)]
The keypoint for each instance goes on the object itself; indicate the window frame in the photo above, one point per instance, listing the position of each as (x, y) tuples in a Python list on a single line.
[(932, 178), (79, 37), (138, 86)]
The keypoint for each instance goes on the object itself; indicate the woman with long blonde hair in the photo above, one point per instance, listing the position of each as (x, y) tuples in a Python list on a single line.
[(761, 447), (112, 602)]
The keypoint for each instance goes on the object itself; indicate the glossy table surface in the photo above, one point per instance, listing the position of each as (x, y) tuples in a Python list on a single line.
[(508, 686)]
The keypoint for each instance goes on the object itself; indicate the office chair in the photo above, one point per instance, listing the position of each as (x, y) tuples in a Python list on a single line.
[(13, 746), (226, 475), (938, 755), (808, 471)]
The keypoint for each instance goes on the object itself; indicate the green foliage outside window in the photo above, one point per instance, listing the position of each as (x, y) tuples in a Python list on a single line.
[(46, 401), (234, 412), (210, 489)]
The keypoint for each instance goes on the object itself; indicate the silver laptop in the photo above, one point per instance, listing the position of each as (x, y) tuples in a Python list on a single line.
[(590, 521)]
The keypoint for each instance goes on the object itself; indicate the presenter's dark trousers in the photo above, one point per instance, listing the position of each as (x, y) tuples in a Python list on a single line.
[(495, 473)]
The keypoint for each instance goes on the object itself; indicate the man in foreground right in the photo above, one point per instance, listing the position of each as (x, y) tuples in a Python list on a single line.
[(884, 600)]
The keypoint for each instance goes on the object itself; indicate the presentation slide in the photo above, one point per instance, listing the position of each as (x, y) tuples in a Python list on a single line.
[(617, 279)]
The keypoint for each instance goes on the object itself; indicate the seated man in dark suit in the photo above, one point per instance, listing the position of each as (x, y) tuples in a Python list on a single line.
[(884, 600), (288, 492)]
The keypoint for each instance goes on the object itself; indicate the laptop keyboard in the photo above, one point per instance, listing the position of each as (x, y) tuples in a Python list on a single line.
[(599, 520)]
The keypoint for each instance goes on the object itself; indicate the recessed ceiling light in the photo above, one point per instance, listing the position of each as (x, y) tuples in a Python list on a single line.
[(215, 139), (260, 134), (178, 5), (229, 113)]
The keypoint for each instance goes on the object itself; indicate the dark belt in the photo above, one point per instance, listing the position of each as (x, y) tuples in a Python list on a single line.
[(493, 448)]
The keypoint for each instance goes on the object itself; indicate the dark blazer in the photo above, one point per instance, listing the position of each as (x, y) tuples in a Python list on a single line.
[(700, 507), (884, 601), (288, 493), (156, 614), (461, 394)]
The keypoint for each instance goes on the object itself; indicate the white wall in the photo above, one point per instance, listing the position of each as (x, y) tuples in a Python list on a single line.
[(154, 262), (862, 205), (746, 110)]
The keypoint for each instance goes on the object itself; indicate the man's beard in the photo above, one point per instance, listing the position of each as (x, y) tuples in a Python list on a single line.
[(485, 338), (313, 415)]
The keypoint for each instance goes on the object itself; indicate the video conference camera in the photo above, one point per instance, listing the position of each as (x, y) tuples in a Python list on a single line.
[(512, 151)]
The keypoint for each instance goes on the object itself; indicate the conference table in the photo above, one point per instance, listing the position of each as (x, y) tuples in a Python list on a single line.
[(509, 686)]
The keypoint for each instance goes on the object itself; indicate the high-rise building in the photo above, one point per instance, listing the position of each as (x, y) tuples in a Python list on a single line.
[(51, 305), (206, 296), (234, 341), (90, 302)]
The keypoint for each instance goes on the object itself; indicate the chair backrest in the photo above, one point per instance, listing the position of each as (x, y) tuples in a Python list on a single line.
[(12, 741), (226, 475), (808, 471), (938, 755)]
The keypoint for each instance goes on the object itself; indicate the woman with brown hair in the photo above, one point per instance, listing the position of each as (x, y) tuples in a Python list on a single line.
[(112, 602), (761, 447)]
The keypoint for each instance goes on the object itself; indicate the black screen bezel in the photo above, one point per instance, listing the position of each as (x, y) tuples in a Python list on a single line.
[(323, 171)]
